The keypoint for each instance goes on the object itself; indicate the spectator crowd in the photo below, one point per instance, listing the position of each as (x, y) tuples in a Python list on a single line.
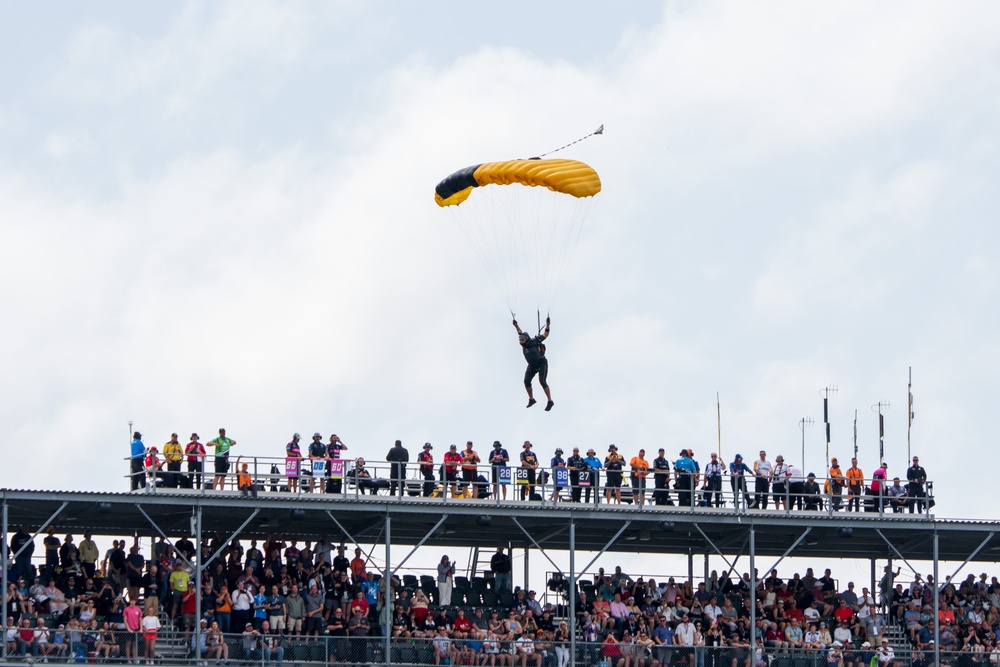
[(319, 467), (271, 596)]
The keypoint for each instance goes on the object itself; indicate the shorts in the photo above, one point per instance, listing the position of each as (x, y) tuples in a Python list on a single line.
[(277, 623), (450, 475), (495, 474), (188, 620), (614, 478), (638, 483), (468, 475), (221, 465), (294, 624), (541, 368), (149, 636)]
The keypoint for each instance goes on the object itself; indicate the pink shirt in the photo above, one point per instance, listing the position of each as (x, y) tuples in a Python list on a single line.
[(133, 618)]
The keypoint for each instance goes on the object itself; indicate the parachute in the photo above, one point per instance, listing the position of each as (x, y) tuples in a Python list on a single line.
[(523, 219)]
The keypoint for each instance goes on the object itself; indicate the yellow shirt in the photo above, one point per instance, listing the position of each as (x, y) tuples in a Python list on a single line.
[(173, 451)]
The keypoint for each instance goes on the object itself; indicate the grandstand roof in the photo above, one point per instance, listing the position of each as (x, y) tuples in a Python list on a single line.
[(652, 529)]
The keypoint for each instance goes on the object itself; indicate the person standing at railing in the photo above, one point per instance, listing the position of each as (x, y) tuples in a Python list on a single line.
[(222, 446), (195, 452), (779, 488), (498, 459), (855, 486), (878, 486), (916, 478), (613, 464), (661, 479), (577, 467), (294, 451), (334, 450), (426, 461), (557, 462), (835, 484), (685, 471), (594, 466), (452, 461), (136, 459), (714, 470), (762, 481), (639, 470), (529, 463), (397, 458), (173, 452), (470, 462), (317, 452)]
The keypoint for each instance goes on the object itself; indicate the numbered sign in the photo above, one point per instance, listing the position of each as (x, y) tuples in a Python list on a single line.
[(337, 469), (561, 476), (291, 467), (584, 479), (319, 468), (503, 474), (521, 475)]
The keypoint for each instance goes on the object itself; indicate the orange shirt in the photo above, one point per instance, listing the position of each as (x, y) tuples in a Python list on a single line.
[(640, 467), (855, 477)]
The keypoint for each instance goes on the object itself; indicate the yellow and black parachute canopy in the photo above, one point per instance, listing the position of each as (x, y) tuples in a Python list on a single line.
[(564, 176)]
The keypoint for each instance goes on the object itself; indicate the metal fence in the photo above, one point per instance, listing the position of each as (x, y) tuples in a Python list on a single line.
[(252, 647), (547, 486)]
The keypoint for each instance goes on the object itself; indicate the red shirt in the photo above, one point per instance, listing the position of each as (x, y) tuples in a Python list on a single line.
[(843, 614), (452, 460), (463, 624)]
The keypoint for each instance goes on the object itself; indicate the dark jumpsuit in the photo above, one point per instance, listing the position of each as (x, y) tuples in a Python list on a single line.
[(534, 354)]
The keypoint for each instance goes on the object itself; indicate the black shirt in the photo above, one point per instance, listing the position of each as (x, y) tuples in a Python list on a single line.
[(534, 349)]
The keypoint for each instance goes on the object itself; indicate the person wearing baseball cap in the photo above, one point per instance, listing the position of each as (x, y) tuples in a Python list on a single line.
[(529, 463), (426, 461), (498, 459), (613, 464), (738, 471)]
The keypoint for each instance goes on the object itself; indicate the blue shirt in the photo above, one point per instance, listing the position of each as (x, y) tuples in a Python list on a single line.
[(557, 461), (138, 449), (258, 604), (740, 468), (593, 462), (664, 633), (371, 590), (499, 457), (684, 464)]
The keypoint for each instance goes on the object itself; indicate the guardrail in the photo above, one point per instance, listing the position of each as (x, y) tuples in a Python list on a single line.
[(546, 486), (636, 648)]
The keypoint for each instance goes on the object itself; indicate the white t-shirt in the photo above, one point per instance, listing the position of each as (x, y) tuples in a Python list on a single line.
[(150, 624)]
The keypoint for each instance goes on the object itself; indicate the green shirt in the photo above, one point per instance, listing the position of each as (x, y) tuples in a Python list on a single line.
[(222, 445)]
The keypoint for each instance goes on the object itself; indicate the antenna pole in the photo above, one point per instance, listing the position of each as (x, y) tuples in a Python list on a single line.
[(825, 393), (803, 423), (909, 411), (718, 423), (881, 428), (855, 434)]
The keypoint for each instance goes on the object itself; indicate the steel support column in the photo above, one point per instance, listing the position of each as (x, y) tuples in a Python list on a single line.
[(199, 570), (6, 566), (572, 591), (937, 605), (753, 590), (387, 606)]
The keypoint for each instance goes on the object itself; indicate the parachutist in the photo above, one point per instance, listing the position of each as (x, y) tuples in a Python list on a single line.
[(534, 354)]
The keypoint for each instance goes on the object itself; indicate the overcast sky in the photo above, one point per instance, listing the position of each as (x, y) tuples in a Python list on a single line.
[(221, 214)]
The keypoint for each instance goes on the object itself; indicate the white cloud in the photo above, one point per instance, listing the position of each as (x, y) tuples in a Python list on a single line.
[(779, 183)]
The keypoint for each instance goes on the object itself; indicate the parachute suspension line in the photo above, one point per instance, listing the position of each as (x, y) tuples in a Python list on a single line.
[(476, 232), (599, 130)]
